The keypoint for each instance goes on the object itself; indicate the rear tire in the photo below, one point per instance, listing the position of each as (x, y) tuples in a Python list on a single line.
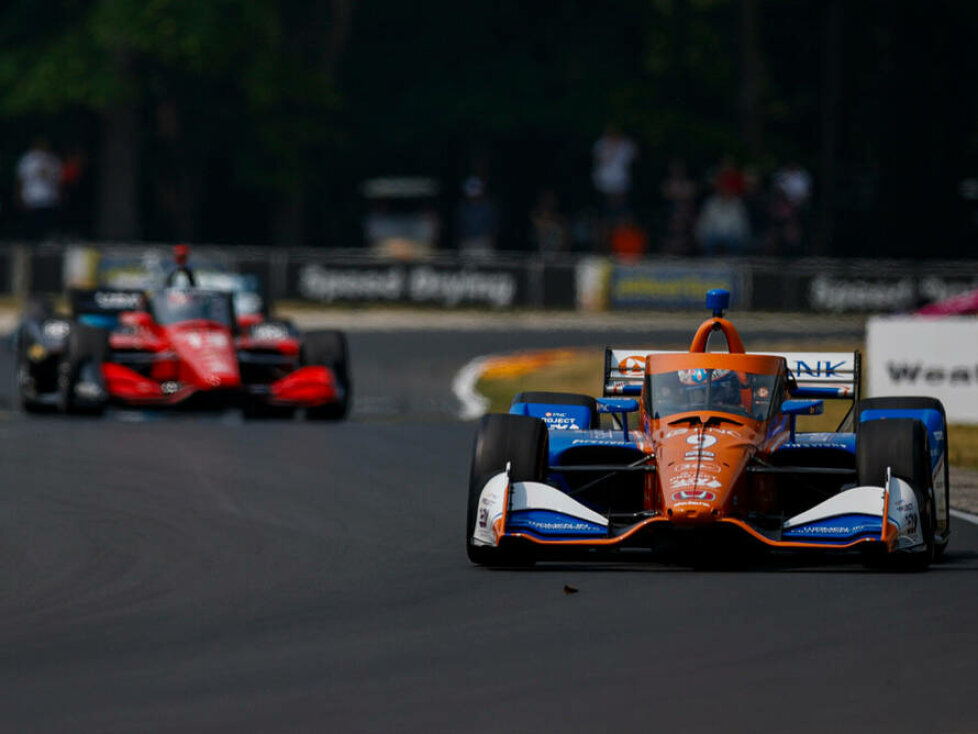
[(900, 444), (921, 403), (329, 349), (85, 352), (521, 441), (563, 398), (36, 311)]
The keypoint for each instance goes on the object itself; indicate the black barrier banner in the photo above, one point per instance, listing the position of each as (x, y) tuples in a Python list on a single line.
[(438, 285), (559, 287), (844, 293), (670, 286), (841, 293)]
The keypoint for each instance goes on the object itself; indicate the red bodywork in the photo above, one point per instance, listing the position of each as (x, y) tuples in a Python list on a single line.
[(171, 363)]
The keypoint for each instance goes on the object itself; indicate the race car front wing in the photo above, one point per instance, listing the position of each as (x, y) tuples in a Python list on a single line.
[(885, 516)]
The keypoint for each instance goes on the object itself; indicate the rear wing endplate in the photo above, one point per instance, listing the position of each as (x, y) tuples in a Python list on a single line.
[(624, 370), (826, 375), (105, 301)]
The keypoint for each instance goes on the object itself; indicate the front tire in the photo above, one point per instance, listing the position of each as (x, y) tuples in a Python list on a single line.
[(85, 352), (922, 403), (329, 349), (900, 444), (522, 442)]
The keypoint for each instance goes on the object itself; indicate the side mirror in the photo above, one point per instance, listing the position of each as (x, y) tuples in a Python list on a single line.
[(795, 408), (802, 407), (621, 406), (617, 405)]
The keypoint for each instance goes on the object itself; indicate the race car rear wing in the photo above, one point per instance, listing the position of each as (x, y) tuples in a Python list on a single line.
[(105, 300), (826, 375), (101, 307), (625, 368)]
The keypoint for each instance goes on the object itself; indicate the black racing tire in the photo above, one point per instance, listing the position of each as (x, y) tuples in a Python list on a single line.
[(562, 398), (329, 349), (25, 372), (501, 438), (86, 350), (921, 403), (33, 406), (900, 444)]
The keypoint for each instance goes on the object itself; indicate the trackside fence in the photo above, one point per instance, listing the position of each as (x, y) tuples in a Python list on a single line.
[(514, 279)]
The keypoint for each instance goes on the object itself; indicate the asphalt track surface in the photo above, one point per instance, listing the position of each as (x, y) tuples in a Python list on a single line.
[(206, 574)]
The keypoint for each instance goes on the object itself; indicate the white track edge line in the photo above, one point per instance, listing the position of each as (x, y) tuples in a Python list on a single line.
[(966, 516), (474, 404)]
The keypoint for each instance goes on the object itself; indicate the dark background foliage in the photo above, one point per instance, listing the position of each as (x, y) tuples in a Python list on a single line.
[(256, 121)]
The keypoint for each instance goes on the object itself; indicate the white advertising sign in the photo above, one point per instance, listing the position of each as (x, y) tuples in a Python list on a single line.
[(938, 357)]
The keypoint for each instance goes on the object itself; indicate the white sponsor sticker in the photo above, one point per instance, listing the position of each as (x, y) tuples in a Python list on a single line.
[(694, 481)]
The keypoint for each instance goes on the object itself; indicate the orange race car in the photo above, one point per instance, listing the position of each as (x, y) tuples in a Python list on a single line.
[(713, 460)]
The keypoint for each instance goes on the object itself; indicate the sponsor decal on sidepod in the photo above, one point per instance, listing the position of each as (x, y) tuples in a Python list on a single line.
[(560, 422)]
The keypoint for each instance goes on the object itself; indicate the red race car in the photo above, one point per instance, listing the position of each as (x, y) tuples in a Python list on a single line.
[(178, 345)]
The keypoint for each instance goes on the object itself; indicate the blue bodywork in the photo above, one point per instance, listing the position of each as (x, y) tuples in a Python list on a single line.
[(557, 417), (549, 524), (833, 529)]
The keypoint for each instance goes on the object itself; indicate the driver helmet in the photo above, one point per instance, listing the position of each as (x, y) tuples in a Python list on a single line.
[(724, 387)]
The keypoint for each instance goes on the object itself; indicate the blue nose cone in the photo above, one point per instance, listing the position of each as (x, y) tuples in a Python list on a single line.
[(718, 299)]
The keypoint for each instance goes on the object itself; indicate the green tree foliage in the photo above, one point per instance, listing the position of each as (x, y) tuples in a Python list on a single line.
[(239, 78), (248, 106)]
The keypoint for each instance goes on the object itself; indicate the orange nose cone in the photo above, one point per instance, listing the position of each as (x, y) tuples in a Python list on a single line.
[(691, 515)]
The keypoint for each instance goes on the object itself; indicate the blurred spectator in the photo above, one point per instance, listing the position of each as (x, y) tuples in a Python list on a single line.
[(791, 191), (728, 180), (628, 240), (478, 220), (795, 183), (548, 225), (39, 189), (613, 157), (784, 234), (723, 227), (679, 192)]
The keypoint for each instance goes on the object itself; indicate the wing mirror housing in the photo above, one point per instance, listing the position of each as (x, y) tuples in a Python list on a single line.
[(621, 407), (795, 408), (617, 405)]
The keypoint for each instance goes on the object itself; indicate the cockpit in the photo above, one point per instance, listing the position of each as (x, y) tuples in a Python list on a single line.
[(683, 383), (173, 305)]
